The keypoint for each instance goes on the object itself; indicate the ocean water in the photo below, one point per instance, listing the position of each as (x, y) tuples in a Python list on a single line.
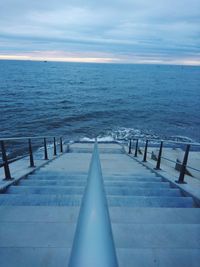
[(82, 101)]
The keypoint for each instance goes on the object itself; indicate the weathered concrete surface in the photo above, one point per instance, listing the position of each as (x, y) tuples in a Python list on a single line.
[(154, 215), (40, 234), (38, 214), (36, 236), (34, 257), (168, 171), (178, 154), (145, 232), (158, 257), (43, 235)]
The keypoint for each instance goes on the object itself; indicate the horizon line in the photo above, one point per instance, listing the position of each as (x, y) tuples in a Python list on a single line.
[(106, 62)]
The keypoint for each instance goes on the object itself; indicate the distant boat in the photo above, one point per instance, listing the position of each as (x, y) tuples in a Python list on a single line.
[(45, 61)]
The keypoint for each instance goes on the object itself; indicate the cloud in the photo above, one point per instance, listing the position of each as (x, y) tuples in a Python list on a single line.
[(159, 30)]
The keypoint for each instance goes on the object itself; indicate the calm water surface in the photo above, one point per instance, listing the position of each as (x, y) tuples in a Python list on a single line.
[(86, 100)]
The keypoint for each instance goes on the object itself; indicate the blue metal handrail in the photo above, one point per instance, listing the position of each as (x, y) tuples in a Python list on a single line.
[(93, 244)]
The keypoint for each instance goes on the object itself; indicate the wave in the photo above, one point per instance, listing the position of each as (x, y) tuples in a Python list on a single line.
[(125, 134), (180, 138)]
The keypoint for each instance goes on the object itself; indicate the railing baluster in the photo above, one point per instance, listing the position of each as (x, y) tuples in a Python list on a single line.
[(136, 148), (61, 145), (54, 147), (31, 153), (145, 151), (159, 156), (130, 144), (45, 150), (183, 166), (5, 162)]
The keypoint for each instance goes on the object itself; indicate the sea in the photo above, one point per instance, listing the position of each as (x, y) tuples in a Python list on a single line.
[(81, 101)]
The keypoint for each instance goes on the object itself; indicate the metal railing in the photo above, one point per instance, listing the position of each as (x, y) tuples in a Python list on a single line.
[(183, 165), (93, 244), (6, 161)]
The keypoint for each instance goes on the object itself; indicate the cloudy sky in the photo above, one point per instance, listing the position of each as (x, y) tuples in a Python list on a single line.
[(121, 31)]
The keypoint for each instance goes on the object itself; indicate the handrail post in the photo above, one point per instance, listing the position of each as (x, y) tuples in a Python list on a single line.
[(159, 156), (31, 153), (45, 150), (129, 149), (145, 151), (183, 166), (61, 145), (54, 147), (136, 148), (5, 162)]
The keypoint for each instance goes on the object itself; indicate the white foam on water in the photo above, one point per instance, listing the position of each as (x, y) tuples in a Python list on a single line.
[(182, 138), (123, 135)]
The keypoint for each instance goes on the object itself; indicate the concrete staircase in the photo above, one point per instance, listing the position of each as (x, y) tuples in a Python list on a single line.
[(153, 224)]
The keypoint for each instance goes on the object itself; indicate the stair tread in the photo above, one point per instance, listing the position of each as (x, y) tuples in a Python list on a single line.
[(37, 199), (142, 201), (80, 189), (166, 257), (40, 200), (156, 235), (37, 256), (106, 179), (37, 234), (39, 214), (83, 183), (154, 215)]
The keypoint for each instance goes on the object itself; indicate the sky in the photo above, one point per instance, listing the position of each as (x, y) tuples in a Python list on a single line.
[(110, 31)]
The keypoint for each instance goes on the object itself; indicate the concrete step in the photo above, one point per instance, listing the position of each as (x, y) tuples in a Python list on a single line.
[(39, 200), (74, 200), (37, 234), (84, 178), (180, 257), (27, 182), (185, 236), (154, 215), (121, 184), (142, 191), (137, 172), (136, 184), (56, 176), (52, 172), (134, 179), (39, 256), (69, 190), (39, 214), (141, 201), (34, 257), (56, 190)]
